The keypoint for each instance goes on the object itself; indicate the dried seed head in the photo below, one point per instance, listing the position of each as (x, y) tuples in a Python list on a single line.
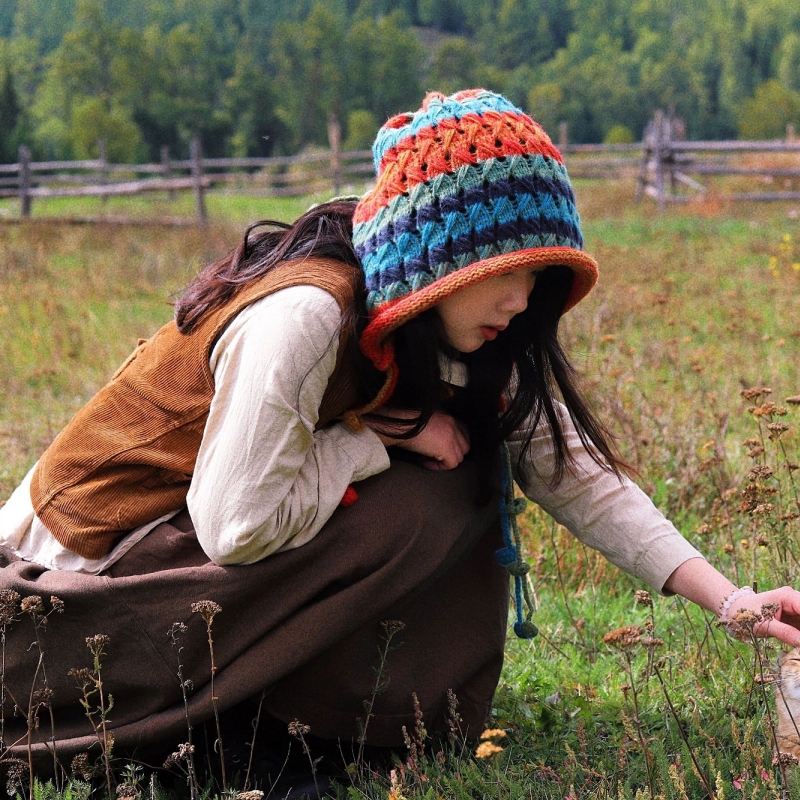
[(769, 610), (643, 598), (80, 766), (96, 643), (297, 728), (32, 604), (253, 794), (777, 429), (627, 636), (57, 603), (207, 609), (755, 392), (392, 626), (794, 400), (9, 605)]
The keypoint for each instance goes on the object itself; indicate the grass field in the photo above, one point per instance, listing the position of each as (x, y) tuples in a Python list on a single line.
[(695, 306)]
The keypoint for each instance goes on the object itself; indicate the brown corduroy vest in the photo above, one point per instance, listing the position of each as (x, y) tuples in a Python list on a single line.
[(128, 455)]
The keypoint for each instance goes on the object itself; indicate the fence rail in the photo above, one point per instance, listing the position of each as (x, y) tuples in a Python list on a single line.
[(666, 169)]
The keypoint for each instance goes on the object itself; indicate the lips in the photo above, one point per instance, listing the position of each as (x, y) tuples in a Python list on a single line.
[(489, 332)]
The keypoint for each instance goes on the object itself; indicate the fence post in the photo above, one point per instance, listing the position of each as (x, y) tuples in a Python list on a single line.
[(102, 178), (335, 141), (24, 181), (197, 175), (658, 147), (563, 135), (166, 168)]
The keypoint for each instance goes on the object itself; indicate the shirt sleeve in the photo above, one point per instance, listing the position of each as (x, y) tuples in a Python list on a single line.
[(607, 513), (265, 480)]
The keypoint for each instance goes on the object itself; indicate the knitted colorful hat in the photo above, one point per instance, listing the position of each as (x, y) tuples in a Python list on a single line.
[(468, 187)]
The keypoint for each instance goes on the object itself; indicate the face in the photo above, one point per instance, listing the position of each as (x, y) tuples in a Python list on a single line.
[(477, 313)]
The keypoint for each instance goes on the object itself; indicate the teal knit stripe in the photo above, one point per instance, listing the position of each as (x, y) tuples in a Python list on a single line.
[(419, 280), (432, 237), (446, 185)]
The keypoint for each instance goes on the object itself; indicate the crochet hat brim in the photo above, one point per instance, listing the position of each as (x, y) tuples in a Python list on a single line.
[(391, 315)]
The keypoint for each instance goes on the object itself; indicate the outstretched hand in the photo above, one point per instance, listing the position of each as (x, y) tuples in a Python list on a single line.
[(776, 614), (442, 443)]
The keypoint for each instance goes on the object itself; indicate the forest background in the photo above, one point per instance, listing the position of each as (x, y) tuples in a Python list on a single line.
[(265, 77)]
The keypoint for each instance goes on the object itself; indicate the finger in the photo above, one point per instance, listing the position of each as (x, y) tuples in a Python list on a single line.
[(778, 630)]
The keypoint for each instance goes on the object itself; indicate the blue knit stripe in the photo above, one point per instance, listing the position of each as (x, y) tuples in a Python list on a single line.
[(392, 282), (507, 225), (535, 175), (453, 233), (437, 111)]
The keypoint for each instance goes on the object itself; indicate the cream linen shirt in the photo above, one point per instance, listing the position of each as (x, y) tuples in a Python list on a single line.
[(247, 500)]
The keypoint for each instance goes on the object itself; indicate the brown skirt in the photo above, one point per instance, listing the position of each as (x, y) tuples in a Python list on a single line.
[(305, 625)]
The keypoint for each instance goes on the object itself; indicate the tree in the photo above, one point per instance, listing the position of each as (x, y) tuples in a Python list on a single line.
[(10, 118), (766, 114), (788, 71), (311, 67), (455, 65), (249, 103)]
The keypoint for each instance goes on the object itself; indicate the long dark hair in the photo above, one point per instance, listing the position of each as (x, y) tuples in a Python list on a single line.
[(525, 364), (324, 231)]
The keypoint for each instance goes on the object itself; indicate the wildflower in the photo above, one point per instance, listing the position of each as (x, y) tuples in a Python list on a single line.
[(392, 626), (493, 733), (487, 750), (57, 603), (207, 609), (96, 643), (297, 728)]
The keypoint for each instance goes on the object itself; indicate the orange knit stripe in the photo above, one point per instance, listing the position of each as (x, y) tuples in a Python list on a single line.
[(391, 315), (452, 144)]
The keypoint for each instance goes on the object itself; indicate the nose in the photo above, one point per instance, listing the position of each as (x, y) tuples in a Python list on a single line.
[(515, 299)]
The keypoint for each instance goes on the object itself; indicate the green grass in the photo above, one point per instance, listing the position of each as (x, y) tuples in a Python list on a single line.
[(694, 305)]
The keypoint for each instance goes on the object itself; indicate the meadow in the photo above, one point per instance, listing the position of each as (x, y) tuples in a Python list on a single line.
[(690, 348)]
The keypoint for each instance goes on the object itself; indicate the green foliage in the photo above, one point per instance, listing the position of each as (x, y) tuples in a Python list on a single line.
[(619, 134), (691, 308), (766, 114), (361, 129), (10, 118), (266, 78), (92, 120)]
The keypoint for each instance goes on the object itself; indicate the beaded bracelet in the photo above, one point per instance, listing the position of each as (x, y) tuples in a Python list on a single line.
[(729, 600)]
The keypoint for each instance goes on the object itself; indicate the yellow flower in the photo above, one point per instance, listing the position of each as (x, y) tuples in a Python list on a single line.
[(487, 749), (493, 733)]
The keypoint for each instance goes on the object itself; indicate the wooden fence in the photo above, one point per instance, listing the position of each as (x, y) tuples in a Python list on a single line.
[(673, 170), (664, 167), (304, 174)]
